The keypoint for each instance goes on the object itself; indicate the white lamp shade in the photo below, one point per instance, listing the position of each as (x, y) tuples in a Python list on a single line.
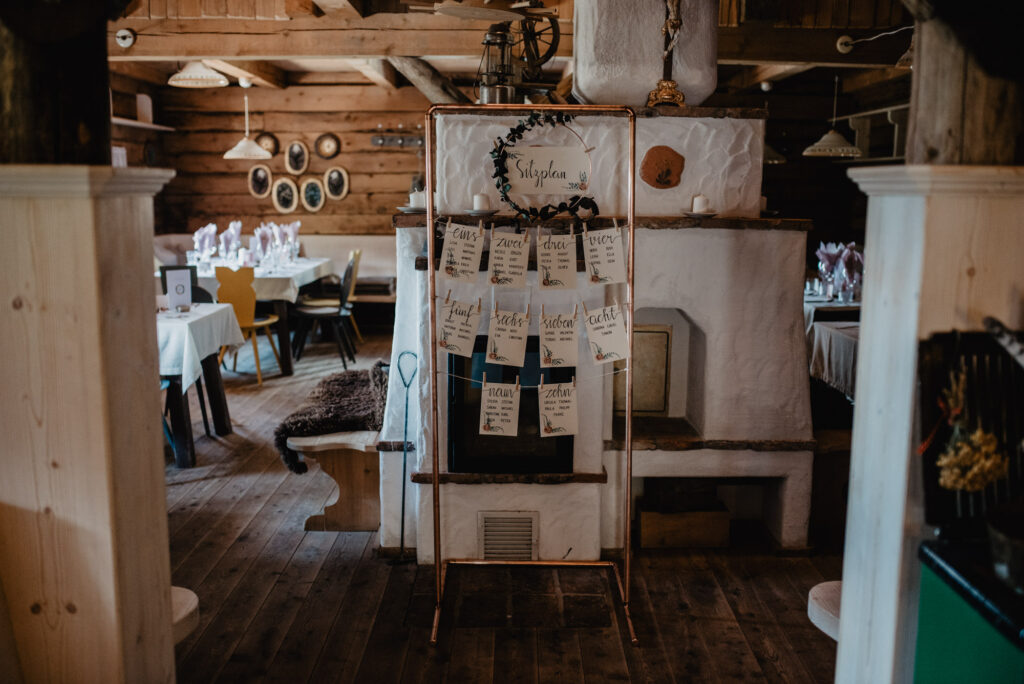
[(247, 149), (197, 75), (832, 144)]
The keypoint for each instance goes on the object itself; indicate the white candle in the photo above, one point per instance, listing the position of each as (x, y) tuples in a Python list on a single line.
[(700, 204), (481, 202), (417, 199)]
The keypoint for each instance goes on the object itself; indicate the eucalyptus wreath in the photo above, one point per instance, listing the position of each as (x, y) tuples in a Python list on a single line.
[(499, 154)]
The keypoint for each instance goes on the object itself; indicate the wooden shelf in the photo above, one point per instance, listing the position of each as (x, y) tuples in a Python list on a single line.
[(677, 434), (649, 222), (512, 478), (132, 123)]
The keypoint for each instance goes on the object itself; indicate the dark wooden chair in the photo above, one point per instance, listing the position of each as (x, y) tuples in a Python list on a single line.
[(337, 317)]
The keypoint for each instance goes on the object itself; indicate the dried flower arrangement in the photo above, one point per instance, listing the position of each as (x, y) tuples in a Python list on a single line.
[(971, 460)]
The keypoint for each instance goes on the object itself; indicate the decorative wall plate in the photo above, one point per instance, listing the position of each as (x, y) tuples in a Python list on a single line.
[(311, 192), (327, 146), (268, 141), (259, 181), (285, 195), (296, 157), (336, 183)]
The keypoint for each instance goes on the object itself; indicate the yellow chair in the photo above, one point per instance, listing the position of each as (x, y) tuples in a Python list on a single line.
[(353, 258), (235, 288)]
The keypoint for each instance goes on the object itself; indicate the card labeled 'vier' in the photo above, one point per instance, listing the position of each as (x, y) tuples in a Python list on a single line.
[(499, 409), (458, 325), (558, 412), (556, 261), (606, 333), (602, 250), (510, 254), (460, 255)]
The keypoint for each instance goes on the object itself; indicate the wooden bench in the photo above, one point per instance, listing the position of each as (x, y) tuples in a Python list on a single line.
[(351, 460)]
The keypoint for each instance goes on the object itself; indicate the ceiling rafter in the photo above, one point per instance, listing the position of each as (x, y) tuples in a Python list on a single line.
[(260, 73)]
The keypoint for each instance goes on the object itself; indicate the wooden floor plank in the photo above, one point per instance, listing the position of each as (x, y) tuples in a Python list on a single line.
[(558, 656), (385, 649), (602, 657), (687, 654), (515, 656), (650, 651), (472, 660)]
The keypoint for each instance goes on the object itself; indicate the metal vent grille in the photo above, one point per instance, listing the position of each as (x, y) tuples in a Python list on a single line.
[(508, 535)]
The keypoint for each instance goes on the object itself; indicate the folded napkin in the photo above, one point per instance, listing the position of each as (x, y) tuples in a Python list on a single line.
[(205, 239), (291, 231), (265, 236), (278, 233), (230, 239)]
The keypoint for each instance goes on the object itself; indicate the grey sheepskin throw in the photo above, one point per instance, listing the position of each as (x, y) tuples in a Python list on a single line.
[(345, 402)]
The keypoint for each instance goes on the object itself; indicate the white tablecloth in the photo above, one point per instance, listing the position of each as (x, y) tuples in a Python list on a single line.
[(815, 303), (834, 354), (185, 339), (282, 282)]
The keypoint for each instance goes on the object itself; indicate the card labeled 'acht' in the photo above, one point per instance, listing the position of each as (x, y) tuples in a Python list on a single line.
[(606, 333)]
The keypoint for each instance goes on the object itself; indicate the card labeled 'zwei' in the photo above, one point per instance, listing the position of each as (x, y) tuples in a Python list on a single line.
[(460, 255), (499, 409), (510, 254)]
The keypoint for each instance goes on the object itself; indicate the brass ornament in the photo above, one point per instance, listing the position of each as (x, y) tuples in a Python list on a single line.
[(666, 93)]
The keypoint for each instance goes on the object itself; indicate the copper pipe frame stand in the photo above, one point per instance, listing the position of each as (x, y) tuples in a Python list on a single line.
[(441, 565)]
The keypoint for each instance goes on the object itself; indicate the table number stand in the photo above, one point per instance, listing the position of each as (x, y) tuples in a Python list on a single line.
[(622, 578)]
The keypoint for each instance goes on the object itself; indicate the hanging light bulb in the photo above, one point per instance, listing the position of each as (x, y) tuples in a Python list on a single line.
[(833, 144), (246, 148), (197, 75)]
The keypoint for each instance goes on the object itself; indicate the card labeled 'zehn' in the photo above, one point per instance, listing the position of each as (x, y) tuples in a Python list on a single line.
[(510, 254), (458, 325), (460, 255), (606, 333), (558, 411), (499, 409), (556, 261), (602, 250)]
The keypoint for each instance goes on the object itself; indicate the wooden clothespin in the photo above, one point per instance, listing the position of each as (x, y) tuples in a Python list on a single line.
[(479, 304), (483, 383), (575, 310), (449, 225), (584, 227), (541, 381), (584, 307), (527, 310), (482, 228), (615, 222), (542, 314), (574, 380), (448, 296), (495, 306), (517, 383)]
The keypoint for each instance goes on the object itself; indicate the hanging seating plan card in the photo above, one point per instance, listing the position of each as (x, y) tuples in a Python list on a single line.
[(556, 261), (606, 334), (559, 340), (499, 408), (506, 337), (602, 250), (459, 323), (558, 413), (510, 254), (460, 255)]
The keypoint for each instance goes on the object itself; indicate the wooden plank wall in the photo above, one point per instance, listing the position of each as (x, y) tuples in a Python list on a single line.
[(853, 14), (211, 188), (144, 147)]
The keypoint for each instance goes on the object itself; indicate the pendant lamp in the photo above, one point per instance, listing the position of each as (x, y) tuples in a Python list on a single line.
[(772, 156), (246, 148), (197, 75), (833, 144)]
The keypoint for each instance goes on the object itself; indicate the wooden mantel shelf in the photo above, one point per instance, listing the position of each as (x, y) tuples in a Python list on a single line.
[(512, 478), (677, 434), (649, 222), (134, 123)]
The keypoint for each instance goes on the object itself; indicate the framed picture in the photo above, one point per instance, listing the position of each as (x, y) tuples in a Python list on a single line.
[(311, 192), (336, 183), (285, 195), (268, 141), (327, 146), (296, 157), (259, 181)]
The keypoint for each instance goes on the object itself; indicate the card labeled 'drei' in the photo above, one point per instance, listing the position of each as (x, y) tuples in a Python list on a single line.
[(606, 333), (506, 338), (460, 255), (458, 325), (559, 340), (499, 409), (602, 250), (556, 261), (558, 412), (510, 254)]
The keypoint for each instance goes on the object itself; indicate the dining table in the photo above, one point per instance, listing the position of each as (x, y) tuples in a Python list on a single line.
[(818, 308), (834, 354), (278, 284), (189, 344)]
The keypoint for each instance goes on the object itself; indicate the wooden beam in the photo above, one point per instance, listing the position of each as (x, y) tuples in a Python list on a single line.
[(140, 71), (364, 98), (432, 83), (859, 80), (380, 71), (349, 9), (749, 78), (758, 43), (260, 73)]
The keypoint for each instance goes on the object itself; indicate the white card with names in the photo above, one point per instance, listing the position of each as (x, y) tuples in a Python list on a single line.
[(460, 255), (558, 413), (556, 261), (179, 288), (458, 325), (559, 340), (506, 338), (606, 334), (499, 409), (602, 250), (510, 254)]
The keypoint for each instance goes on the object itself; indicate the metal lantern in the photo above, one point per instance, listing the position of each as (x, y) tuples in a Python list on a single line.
[(496, 67)]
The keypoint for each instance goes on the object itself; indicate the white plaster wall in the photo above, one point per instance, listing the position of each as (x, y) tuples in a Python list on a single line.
[(742, 288), (723, 162)]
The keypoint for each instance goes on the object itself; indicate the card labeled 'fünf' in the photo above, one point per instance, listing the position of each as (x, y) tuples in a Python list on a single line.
[(499, 409), (506, 338), (606, 333), (603, 252), (556, 261), (509, 256), (559, 340), (558, 412), (458, 325), (460, 255)]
